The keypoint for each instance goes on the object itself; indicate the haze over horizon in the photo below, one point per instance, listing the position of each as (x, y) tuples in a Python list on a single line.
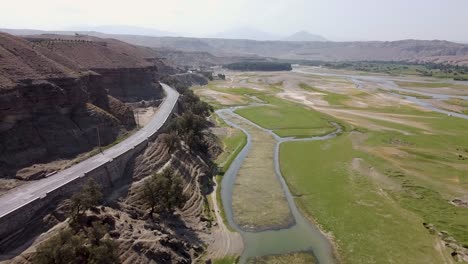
[(336, 20)]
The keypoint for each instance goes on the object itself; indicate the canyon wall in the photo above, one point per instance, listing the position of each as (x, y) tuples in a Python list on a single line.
[(57, 94)]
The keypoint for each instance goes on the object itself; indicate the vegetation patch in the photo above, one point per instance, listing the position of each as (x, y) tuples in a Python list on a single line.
[(259, 66), (233, 141), (296, 258), (416, 95), (429, 85), (457, 101), (331, 98), (455, 72), (226, 260), (288, 119), (367, 224)]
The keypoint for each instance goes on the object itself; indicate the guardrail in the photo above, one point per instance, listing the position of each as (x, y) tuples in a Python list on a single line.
[(37, 192)]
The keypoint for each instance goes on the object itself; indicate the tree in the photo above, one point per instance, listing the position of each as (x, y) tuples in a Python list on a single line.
[(163, 192), (83, 247), (89, 197), (62, 248), (171, 140)]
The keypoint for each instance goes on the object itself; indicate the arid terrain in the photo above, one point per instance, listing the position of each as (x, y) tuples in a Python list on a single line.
[(66, 99), (212, 51)]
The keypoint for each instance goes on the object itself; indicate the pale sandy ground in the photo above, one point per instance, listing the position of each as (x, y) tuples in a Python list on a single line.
[(224, 242), (222, 98), (306, 98)]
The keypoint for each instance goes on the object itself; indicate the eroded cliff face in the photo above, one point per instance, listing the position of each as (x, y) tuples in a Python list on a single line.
[(131, 84), (43, 120), (57, 93)]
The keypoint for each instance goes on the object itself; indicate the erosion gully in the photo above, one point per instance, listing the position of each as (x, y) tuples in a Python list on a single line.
[(302, 236)]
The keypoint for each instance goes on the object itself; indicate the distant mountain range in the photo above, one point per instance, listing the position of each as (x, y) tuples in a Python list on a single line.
[(301, 48), (125, 30), (254, 34), (245, 33), (235, 33), (304, 36)]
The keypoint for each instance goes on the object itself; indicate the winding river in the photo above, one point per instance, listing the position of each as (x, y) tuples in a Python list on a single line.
[(302, 235), (390, 86)]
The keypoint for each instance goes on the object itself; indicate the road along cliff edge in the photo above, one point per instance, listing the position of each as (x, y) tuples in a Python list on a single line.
[(19, 205)]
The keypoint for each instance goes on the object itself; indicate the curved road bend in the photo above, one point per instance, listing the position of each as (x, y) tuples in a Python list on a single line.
[(27, 193)]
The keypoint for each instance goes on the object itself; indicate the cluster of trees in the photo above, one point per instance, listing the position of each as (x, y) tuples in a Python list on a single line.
[(190, 126), (84, 241), (456, 72), (259, 66), (162, 192), (89, 197), (86, 246)]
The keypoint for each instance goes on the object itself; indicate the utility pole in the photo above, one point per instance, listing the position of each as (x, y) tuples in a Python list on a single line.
[(99, 139), (137, 119)]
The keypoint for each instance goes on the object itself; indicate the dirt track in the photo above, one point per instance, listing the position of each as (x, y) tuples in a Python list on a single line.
[(225, 243)]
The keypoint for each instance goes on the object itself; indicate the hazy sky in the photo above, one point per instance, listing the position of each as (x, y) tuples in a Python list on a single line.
[(334, 19)]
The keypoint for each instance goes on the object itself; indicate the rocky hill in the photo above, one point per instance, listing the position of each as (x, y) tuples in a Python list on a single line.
[(405, 50), (436, 51), (123, 217), (304, 36), (57, 91)]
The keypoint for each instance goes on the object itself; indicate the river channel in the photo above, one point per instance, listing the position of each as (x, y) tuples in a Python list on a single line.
[(302, 235)]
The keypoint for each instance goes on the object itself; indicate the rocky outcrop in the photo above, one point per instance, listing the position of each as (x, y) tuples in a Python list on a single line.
[(57, 94), (184, 80), (48, 119), (131, 84)]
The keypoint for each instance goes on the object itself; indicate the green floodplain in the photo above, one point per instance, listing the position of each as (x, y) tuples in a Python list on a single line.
[(383, 189)]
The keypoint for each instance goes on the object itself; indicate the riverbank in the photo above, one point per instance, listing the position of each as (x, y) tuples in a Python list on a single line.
[(302, 236), (392, 175)]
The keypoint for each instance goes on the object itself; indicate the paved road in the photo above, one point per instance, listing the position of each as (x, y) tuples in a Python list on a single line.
[(26, 193)]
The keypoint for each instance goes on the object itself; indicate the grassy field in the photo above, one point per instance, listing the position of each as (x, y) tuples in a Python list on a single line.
[(332, 98), (288, 119), (226, 260), (233, 142), (296, 258), (459, 102), (430, 85), (420, 96), (369, 227), (371, 189)]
